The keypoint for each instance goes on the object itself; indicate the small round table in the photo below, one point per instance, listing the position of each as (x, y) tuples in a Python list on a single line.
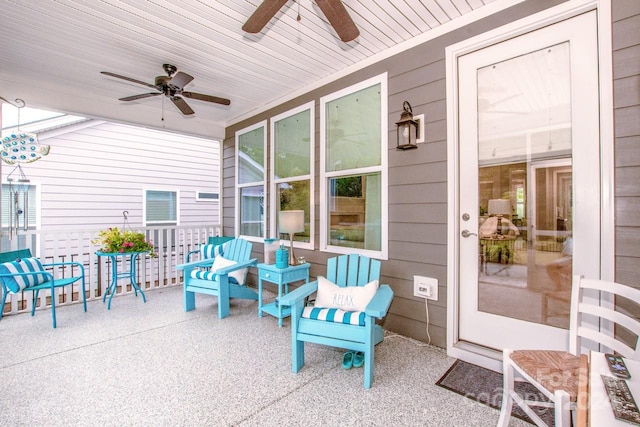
[(130, 274)]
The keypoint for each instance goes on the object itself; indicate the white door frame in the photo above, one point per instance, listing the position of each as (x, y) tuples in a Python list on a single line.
[(476, 354)]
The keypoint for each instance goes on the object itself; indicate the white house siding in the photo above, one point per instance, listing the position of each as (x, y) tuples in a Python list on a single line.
[(96, 170)]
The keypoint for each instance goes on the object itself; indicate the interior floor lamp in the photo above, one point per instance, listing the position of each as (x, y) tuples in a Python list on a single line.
[(291, 222)]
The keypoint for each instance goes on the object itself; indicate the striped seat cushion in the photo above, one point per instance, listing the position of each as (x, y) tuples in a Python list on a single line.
[(18, 283), (334, 315), (236, 277), (210, 275), (211, 251)]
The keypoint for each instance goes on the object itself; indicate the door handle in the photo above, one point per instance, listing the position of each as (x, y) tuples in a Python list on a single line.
[(467, 233)]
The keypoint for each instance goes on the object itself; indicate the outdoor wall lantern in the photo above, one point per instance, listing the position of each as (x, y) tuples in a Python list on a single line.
[(407, 129)]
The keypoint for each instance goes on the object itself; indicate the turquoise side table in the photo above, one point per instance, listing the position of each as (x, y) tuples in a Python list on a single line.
[(131, 274), (282, 277)]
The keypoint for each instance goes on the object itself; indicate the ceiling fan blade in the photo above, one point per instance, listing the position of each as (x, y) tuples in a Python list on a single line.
[(208, 98), (181, 79), (339, 19), (262, 15), (182, 105), (106, 73), (141, 96)]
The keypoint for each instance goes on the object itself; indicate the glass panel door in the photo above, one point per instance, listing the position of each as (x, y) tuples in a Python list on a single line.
[(527, 252), (529, 162), (523, 224)]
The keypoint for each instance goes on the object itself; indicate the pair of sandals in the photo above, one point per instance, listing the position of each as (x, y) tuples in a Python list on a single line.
[(353, 359)]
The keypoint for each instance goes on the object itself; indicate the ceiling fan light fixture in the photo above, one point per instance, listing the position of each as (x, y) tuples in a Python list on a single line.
[(171, 86)]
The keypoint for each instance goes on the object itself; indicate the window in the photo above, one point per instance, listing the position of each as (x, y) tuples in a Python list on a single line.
[(161, 207), (250, 181), (202, 196), (353, 179), (292, 168)]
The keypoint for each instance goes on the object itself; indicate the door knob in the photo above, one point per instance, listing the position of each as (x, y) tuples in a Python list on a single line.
[(467, 233)]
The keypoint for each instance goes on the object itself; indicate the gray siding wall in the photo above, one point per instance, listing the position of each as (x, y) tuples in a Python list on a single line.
[(418, 179), (100, 169), (626, 100)]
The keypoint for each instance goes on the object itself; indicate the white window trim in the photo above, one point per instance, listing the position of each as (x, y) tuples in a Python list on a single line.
[(382, 80), (273, 227), (204, 199), (239, 186), (146, 223)]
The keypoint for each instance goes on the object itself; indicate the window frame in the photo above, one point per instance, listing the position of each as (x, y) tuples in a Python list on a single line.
[(274, 204), (263, 182), (199, 197), (147, 223), (382, 168)]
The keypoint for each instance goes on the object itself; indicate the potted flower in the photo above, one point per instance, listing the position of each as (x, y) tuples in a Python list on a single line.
[(113, 240)]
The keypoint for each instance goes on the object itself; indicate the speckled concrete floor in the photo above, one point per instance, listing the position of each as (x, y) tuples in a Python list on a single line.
[(155, 365)]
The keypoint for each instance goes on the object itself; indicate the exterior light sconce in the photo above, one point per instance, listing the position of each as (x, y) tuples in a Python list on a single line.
[(407, 129)]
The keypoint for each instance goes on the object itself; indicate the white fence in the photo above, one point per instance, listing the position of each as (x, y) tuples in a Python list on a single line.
[(171, 244)]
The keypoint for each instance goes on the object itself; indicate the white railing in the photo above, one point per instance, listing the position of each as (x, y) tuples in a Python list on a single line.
[(171, 244)]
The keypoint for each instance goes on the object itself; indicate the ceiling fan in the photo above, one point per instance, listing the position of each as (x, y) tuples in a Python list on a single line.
[(170, 86), (334, 10)]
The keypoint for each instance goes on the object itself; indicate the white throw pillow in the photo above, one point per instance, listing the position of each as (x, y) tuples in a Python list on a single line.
[(221, 262), (348, 298)]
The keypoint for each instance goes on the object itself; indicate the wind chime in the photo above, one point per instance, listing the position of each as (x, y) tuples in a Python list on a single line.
[(18, 185), (19, 147)]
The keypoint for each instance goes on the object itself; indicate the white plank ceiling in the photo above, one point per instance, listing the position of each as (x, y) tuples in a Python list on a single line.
[(52, 52)]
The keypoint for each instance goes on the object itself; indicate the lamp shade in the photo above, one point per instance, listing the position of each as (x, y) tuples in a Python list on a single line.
[(499, 207), (291, 221)]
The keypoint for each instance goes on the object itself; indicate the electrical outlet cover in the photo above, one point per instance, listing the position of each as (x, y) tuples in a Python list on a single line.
[(425, 287)]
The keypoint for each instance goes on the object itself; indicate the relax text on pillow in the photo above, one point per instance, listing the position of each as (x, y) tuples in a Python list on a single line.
[(347, 298)]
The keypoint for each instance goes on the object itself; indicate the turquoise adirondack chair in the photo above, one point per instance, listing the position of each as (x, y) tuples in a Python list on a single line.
[(345, 270), (216, 276), (20, 272)]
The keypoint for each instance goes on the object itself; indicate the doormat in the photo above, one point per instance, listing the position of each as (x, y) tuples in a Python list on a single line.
[(485, 386)]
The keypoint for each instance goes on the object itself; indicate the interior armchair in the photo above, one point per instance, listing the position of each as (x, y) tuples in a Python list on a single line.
[(351, 330), (223, 276)]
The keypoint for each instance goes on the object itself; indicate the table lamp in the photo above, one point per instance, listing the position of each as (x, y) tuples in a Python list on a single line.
[(499, 208), (291, 222)]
